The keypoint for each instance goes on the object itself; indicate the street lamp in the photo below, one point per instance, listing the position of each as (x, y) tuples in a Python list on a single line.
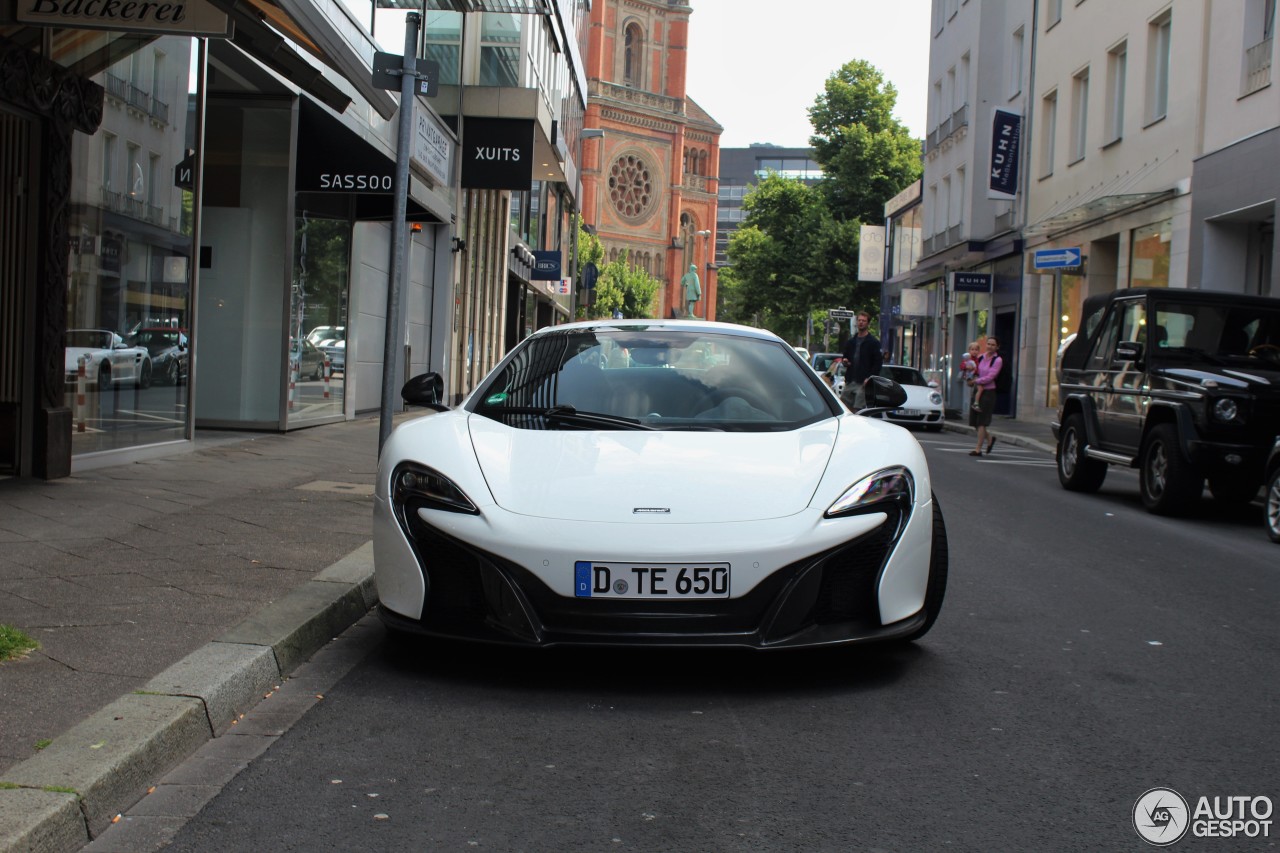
[(585, 133)]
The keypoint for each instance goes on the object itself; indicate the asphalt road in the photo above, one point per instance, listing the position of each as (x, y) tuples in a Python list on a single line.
[(1086, 653)]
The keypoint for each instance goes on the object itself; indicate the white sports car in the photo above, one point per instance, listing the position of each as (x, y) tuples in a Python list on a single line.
[(923, 406), (109, 360), (676, 483)]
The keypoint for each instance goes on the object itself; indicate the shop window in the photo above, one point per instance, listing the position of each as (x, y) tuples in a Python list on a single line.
[(1149, 255)]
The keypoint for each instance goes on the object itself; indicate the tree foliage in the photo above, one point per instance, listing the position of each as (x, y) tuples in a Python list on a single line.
[(619, 286), (796, 254)]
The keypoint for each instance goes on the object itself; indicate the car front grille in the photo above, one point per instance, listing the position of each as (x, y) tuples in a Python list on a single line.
[(476, 594)]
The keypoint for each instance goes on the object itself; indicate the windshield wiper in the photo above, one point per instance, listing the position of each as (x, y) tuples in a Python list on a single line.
[(568, 414)]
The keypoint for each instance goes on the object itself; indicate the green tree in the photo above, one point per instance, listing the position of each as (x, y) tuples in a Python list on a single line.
[(867, 155), (618, 286)]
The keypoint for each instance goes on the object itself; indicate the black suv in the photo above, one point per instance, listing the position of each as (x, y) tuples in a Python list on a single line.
[(1183, 385)]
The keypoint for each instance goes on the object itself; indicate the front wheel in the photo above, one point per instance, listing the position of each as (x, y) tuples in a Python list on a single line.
[(1272, 505), (144, 378), (1077, 472), (937, 587), (1168, 481)]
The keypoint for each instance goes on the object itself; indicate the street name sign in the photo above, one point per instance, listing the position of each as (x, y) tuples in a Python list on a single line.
[(840, 313), (1051, 259)]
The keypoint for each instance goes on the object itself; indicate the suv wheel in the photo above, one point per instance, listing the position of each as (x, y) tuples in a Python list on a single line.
[(1168, 482), (1077, 472), (1232, 487), (1272, 505)]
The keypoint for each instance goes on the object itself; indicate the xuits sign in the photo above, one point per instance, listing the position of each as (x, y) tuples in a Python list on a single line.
[(497, 154), (179, 17)]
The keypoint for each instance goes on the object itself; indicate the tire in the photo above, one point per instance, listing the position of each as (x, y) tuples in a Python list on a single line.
[(936, 589), (104, 377), (1232, 487), (1271, 505), (144, 378), (1077, 472), (1169, 483), (171, 372)]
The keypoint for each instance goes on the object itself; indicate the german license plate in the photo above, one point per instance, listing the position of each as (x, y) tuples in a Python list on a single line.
[(650, 580), (909, 413)]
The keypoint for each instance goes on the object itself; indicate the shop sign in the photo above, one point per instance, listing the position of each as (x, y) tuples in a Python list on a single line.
[(546, 266), (1006, 133), (432, 144), (497, 154), (915, 302), (971, 282), (333, 158), (871, 253), (178, 18)]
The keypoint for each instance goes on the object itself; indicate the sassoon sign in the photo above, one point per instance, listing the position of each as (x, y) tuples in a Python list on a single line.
[(334, 159)]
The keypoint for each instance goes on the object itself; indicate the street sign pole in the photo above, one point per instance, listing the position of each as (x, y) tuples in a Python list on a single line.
[(391, 350)]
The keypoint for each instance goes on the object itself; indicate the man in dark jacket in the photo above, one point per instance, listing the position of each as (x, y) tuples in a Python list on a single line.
[(863, 360)]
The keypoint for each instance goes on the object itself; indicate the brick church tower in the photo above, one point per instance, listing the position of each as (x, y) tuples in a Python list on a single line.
[(650, 184)]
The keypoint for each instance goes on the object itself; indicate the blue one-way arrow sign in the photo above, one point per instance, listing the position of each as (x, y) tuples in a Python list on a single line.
[(1050, 259)]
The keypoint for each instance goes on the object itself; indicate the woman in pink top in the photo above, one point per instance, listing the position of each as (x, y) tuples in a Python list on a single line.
[(988, 369)]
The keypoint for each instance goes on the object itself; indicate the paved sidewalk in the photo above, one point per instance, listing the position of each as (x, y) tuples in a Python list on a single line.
[(167, 595), (1012, 431)]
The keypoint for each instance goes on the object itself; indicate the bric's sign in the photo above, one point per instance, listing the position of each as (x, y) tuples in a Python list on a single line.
[(177, 18)]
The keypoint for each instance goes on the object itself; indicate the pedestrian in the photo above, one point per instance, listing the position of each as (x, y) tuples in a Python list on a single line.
[(969, 369), (984, 383), (863, 360)]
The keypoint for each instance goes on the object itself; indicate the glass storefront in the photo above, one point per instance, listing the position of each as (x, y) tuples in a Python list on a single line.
[(318, 317), (1149, 259), (1068, 299), (129, 302)]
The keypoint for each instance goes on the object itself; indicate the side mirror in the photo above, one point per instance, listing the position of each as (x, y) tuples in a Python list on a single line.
[(1128, 351), (884, 393), (426, 389)]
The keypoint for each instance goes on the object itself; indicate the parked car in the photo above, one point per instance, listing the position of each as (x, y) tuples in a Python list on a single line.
[(822, 360), (111, 361), (168, 350), (323, 336), (834, 375), (804, 353), (924, 401), (306, 359), (1271, 495), (1183, 385), (578, 498), (336, 352)]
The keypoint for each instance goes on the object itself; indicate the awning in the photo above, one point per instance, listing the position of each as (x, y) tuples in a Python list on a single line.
[(317, 26), (1090, 211)]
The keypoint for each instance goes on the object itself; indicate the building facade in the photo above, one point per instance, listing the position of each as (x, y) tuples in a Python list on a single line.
[(650, 182), (197, 225)]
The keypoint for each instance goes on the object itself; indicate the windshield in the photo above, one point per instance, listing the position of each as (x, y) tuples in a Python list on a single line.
[(660, 378), (823, 360), (1233, 332), (903, 375), (88, 339)]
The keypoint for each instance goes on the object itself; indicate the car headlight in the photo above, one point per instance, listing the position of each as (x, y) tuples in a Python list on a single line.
[(418, 486), (935, 398), (876, 493), (1226, 409)]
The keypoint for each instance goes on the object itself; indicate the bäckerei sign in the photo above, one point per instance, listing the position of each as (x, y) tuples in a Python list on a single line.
[(169, 17)]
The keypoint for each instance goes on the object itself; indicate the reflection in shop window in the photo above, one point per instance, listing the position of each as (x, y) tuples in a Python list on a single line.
[(1149, 258), (129, 266), (318, 318)]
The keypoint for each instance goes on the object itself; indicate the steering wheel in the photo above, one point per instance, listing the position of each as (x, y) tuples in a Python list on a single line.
[(716, 396), (1266, 352)]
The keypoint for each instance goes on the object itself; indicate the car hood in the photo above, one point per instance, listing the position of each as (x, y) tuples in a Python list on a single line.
[(668, 476), (1254, 378), (918, 397)]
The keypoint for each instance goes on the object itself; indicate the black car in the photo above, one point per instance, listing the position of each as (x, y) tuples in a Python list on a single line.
[(168, 349), (1183, 385)]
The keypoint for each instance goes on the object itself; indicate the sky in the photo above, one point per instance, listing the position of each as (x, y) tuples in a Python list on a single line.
[(757, 65)]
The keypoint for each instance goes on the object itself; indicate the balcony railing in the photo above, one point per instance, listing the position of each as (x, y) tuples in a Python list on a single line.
[(159, 110), (140, 99), (136, 208), (117, 87), (947, 128), (636, 97), (1257, 67)]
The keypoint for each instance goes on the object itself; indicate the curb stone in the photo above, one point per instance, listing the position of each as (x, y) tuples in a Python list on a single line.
[(62, 798)]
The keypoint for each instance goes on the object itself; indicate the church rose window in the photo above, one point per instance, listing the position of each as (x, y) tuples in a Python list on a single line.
[(631, 187)]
